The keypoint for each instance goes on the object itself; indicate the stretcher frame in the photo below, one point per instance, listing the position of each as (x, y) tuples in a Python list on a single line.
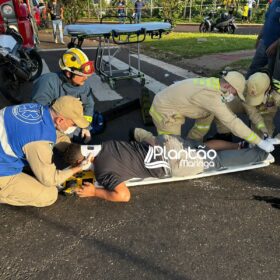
[(120, 35), (88, 176)]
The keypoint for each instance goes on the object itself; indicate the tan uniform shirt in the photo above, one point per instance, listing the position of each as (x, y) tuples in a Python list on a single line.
[(39, 156), (199, 98)]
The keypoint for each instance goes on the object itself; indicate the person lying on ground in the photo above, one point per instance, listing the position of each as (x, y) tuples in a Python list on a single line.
[(119, 161)]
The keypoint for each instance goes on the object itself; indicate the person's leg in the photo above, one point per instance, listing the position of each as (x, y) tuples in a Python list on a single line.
[(54, 24), (24, 190), (232, 158), (60, 31), (165, 122), (276, 70), (140, 17), (181, 155), (260, 60)]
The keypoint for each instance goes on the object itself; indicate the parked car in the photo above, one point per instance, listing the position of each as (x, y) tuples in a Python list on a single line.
[(23, 17)]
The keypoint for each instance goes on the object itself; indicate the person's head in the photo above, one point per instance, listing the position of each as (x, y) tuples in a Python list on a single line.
[(233, 84), (72, 155), (67, 114), (258, 85), (76, 66)]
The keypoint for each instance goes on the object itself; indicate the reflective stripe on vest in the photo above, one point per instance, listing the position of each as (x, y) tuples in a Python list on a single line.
[(201, 126), (156, 116), (212, 83), (4, 138), (260, 125)]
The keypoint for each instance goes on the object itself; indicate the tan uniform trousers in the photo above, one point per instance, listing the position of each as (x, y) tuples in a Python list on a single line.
[(24, 190)]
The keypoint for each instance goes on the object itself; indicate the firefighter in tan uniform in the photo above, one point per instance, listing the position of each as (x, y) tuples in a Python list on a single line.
[(266, 100), (203, 99), (260, 116), (28, 133)]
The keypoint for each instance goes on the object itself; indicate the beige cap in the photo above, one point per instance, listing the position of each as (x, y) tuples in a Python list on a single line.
[(71, 107), (257, 85), (236, 80)]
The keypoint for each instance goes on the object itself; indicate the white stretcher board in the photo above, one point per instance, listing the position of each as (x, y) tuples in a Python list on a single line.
[(148, 181), (104, 29)]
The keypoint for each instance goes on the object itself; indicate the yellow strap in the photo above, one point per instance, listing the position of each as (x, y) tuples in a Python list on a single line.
[(88, 118)]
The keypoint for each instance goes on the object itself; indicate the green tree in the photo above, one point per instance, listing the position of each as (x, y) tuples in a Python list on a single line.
[(74, 10), (171, 9)]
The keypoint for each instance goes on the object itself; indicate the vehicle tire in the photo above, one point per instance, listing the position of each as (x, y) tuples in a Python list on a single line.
[(37, 65), (231, 29), (8, 88), (203, 28)]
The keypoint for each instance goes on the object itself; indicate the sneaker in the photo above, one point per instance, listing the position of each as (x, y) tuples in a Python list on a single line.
[(62, 42), (55, 41), (142, 135)]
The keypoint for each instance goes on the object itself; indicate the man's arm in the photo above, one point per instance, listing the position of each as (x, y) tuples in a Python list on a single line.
[(213, 104), (43, 91), (256, 118), (61, 12), (88, 104), (119, 194), (39, 156)]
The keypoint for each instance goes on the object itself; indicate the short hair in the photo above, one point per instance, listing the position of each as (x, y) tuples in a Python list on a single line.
[(72, 154)]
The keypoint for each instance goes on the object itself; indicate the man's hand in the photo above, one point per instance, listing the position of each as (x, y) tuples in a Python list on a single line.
[(272, 49), (273, 141), (86, 164), (266, 146), (88, 190), (86, 135)]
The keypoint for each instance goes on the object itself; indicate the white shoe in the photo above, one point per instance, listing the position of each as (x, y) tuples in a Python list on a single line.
[(55, 41), (62, 42), (142, 135)]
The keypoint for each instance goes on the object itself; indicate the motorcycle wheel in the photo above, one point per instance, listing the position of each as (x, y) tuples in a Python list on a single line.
[(37, 63), (231, 29), (203, 28)]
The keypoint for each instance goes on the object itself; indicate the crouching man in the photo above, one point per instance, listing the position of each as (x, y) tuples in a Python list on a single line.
[(119, 161), (28, 133)]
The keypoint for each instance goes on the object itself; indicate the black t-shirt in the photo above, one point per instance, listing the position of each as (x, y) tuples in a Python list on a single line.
[(119, 161), (55, 10)]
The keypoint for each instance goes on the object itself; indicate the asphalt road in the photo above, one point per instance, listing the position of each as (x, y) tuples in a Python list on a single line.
[(224, 227)]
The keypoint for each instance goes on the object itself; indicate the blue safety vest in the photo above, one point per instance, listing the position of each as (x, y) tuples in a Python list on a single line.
[(20, 125)]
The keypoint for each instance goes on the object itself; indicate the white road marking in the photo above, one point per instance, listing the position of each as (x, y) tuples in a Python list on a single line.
[(102, 91), (167, 67)]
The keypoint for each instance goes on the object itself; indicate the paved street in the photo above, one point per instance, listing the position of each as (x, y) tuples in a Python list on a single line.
[(224, 227)]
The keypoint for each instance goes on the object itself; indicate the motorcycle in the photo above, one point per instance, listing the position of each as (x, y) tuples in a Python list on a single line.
[(18, 64), (223, 23)]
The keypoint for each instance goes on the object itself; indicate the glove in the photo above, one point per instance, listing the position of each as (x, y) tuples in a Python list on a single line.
[(266, 146), (86, 135), (273, 141), (87, 163)]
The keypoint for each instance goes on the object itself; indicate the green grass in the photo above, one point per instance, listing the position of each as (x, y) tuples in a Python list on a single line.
[(187, 45)]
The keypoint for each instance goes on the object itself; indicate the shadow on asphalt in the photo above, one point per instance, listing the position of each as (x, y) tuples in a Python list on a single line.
[(274, 201)]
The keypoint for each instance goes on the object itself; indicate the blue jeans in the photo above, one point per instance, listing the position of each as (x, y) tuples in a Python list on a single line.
[(57, 23), (260, 60), (138, 16)]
